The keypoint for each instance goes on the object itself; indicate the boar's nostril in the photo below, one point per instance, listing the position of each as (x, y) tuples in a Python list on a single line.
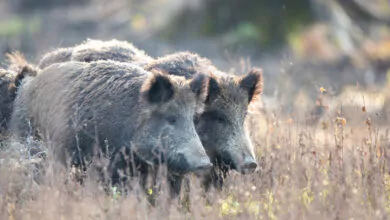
[(249, 167)]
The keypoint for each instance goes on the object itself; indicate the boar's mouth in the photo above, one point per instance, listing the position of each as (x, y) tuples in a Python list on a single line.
[(181, 166), (248, 169), (225, 162), (203, 170)]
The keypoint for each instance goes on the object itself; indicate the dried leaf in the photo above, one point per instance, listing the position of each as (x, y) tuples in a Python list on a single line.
[(368, 121)]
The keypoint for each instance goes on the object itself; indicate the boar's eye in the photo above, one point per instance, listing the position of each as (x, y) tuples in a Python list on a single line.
[(171, 119), (220, 119), (215, 116)]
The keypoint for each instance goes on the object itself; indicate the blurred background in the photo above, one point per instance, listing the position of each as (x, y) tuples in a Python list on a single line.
[(307, 48)]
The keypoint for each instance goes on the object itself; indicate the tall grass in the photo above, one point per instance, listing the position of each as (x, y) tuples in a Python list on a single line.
[(337, 171)]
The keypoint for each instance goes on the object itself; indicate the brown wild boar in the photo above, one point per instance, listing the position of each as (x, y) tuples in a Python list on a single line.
[(9, 81), (78, 105)]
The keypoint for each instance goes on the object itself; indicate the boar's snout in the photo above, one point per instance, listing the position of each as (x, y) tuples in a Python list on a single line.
[(203, 168), (241, 162), (190, 157), (249, 165), (183, 164)]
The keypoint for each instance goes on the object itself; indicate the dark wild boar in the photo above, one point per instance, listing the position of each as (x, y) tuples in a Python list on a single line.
[(221, 125), (78, 105)]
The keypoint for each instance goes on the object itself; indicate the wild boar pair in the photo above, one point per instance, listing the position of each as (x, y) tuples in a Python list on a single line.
[(97, 92), (75, 106)]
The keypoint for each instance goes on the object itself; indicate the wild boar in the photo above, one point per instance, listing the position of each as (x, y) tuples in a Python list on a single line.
[(76, 106), (221, 125)]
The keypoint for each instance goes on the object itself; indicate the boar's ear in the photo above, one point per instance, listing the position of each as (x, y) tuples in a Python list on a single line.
[(252, 83), (199, 85), (158, 89), (19, 65), (214, 88)]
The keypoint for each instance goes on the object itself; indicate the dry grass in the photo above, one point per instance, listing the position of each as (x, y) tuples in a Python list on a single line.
[(337, 171)]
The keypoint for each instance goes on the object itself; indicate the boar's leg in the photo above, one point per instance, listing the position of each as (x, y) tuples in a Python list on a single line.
[(215, 178), (125, 164), (153, 191), (185, 201), (175, 183)]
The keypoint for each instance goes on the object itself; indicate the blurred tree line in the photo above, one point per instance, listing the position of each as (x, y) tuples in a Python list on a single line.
[(270, 24), (325, 30), (263, 23), (328, 43), (333, 42)]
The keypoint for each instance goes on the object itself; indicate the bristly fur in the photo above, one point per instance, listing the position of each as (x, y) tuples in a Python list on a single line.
[(253, 83), (214, 88), (6, 98), (19, 65), (57, 56), (92, 50), (200, 85), (158, 88), (10, 80)]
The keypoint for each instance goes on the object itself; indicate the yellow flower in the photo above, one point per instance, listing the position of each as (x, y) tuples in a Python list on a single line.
[(341, 121)]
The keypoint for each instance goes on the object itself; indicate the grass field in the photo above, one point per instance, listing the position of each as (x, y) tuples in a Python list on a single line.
[(332, 169)]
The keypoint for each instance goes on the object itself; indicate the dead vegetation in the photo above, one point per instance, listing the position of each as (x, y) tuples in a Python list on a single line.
[(335, 169)]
